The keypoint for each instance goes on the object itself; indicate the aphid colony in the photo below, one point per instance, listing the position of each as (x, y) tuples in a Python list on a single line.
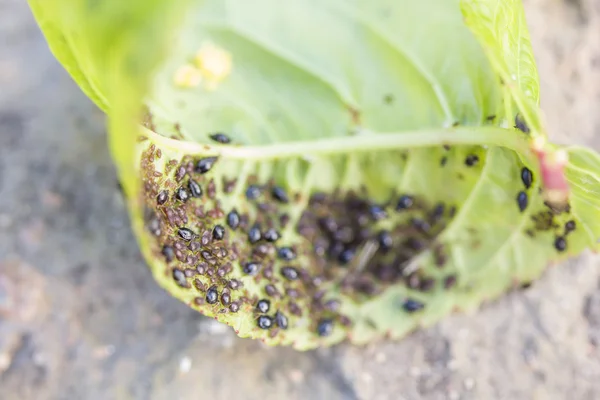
[(235, 259)]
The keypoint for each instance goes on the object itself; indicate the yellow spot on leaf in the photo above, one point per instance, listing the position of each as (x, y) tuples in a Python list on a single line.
[(215, 64), (187, 76)]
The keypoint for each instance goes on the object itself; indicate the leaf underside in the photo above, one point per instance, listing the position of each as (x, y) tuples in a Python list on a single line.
[(358, 196)]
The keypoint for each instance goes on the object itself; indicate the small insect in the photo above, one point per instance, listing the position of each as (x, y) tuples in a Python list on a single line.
[(522, 201), (443, 161), (286, 254), (270, 290), (205, 164), (411, 305), (218, 232), (251, 268), (254, 234), (377, 212), (271, 235), (405, 202), (520, 124), (325, 327), (179, 277), (186, 234), (526, 177), (280, 195), (234, 307), (264, 322), (263, 306), (290, 273), (195, 188), (233, 219), (281, 320), (570, 226), (162, 197), (560, 244), (253, 192), (168, 252), (220, 137), (384, 238), (346, 256), (225, 299), (212, 295), (471, 160), (182, 194), (449, 281)]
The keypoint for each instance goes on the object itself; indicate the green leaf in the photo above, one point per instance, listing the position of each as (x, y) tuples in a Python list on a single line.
[(372, 139)]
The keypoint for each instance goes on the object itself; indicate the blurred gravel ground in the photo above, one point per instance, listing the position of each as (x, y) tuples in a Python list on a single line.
[(81, 317)]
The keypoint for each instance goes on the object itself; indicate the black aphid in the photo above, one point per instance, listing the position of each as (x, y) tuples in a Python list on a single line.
[(182, 194), (195, 188), (522, 201), (346, 256), (471, 160), (270, 290), (253, 192), (560, 243), (233, 219), (205, 164), (234, 307), (526, 177), (281, 320), (405, 202), (168, 252), (438, 212), (225, 299), (212, 295), (162, 197), (263, 306), (251, 268), (570, 226), (520, 124), (254, 234), (186, 234), (377, 212), (411, 305), (325, 327), (286, 253), (179, 277), (264, 322), (220, 137), (329, 224), (420, 224), (218, 232), (271, 235), (449, 281), (443, 161), (279, 194), (384, 238), (290, 273)]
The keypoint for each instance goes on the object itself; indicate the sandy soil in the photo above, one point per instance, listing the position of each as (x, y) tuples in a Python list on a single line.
[(81, 318)]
